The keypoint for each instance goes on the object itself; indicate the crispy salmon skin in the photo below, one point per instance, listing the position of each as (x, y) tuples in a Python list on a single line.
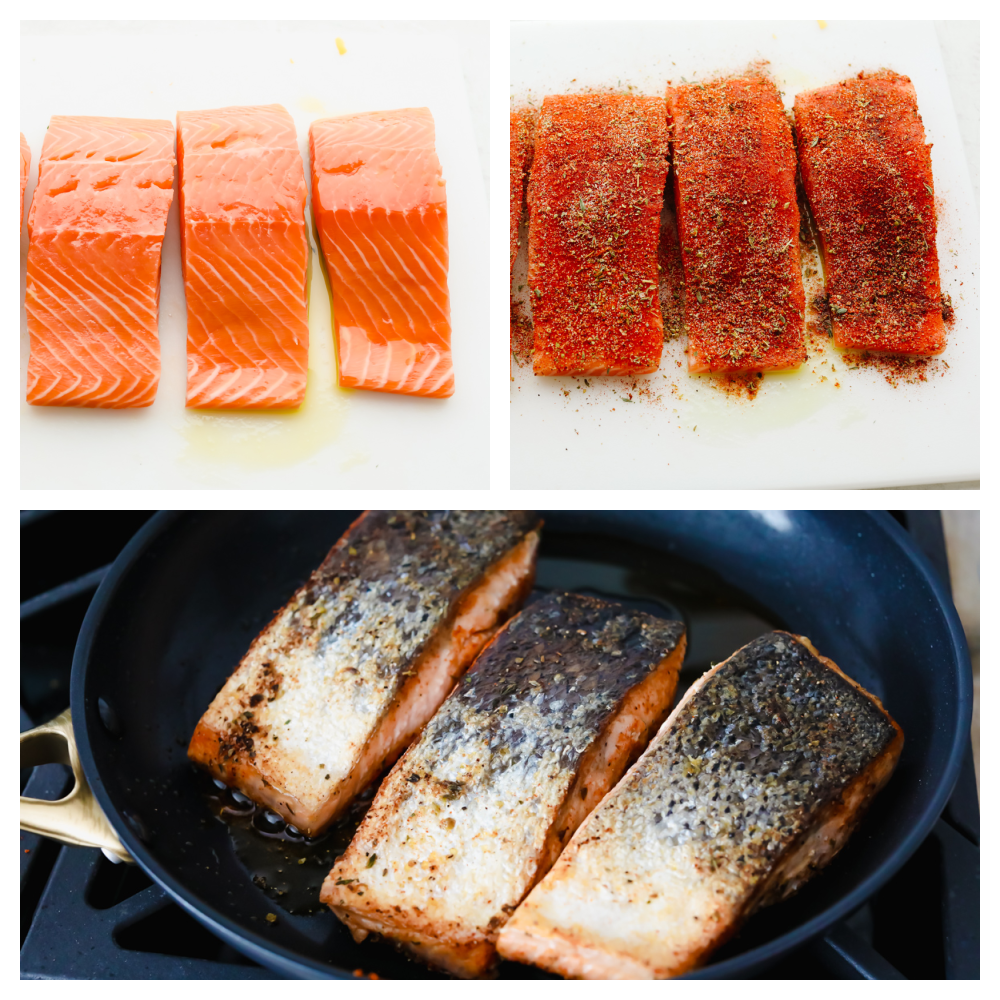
[(738, 222), (476, 811), (336, 687), (594, 201), (755, 781), (866, 170)]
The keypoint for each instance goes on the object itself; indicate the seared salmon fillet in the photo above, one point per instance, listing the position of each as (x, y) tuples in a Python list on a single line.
[(738, 222), (477, 810), (522, 129), (339, 683), (866, 170), (95, 228), (756, 780), (594, 202)]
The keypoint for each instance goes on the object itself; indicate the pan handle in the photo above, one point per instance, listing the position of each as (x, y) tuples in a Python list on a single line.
[(76, 818)]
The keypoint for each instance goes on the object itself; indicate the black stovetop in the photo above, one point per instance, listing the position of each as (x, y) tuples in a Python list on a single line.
[(83, 917)]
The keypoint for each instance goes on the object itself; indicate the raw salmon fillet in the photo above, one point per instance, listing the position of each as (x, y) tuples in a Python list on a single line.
[(25, 166), (594, 199), (522, 130), (867, 174), (95, 229), (753, 784), (738, 223), (379, 205), (245, 253)]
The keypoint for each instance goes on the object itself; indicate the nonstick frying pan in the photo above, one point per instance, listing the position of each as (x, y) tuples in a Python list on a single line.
[(185, 598)]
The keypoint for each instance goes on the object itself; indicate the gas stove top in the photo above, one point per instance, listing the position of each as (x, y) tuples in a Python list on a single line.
[(83, 917)]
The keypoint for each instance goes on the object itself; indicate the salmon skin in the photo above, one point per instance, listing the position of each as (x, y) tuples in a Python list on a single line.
[(522, 147), (335, 688), (25, 167), (95, 231), (594, 202), (381, 213), (738, 223), (866, 170), (245, 254), (477, 810), (755, 781)]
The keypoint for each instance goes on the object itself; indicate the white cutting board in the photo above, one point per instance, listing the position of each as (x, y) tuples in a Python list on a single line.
[(339, 438), (800, 431)]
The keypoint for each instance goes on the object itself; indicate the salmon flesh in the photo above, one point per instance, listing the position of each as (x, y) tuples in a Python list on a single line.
[(339, 683), (594, 202), (755, 782), (478, 809), (738, 222), (866, 169), (245, 254), (95, 229), (382, 218)]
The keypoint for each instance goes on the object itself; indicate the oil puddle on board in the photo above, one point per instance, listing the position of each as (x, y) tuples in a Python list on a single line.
[(278, 438)]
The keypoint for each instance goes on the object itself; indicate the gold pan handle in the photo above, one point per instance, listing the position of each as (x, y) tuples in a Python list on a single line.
[(76, 818)]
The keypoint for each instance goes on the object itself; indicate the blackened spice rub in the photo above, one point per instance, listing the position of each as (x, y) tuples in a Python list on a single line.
[(594, 202), (474, 813), (866, 170), (522, 134), (738, 220), (335, 688), (755, 782)]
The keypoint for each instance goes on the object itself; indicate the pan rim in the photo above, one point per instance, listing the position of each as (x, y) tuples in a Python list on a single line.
[(289, 962)]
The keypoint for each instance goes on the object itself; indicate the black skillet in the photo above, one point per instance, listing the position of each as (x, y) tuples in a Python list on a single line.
[(188, 594)]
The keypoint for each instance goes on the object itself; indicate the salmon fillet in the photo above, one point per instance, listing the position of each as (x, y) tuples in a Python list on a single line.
[(866, 170), (756, 781), (374, 641), (738, 223), (380, 210), (25, 167), (522, 129), (594, 202), (95, 230), (477, 810), (245, 254)]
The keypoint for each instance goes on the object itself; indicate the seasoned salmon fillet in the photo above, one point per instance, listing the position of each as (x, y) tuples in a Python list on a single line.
[(477, 810), (594, 202), (95, 229), (753, 783), (738, 223), (245, 254), (339, 683), (522, 147), (866, 170), (381, 212)]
